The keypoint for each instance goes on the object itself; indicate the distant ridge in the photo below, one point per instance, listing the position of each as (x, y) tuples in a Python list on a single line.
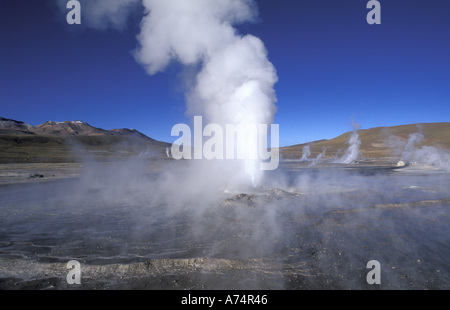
[(72, 141), (55, 142), (66, 128), (378, 142)]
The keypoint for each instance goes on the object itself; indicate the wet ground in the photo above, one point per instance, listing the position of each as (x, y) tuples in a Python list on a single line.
[(303, 228)]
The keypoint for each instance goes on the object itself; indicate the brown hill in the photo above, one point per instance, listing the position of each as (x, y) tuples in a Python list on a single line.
[(68, 128), (72, 141), (377, 143)]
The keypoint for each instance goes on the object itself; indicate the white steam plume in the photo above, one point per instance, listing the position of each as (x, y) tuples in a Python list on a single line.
[(410, 146), (235, 81), (306, 152), (319, 157), (428, 155), (354, 142)]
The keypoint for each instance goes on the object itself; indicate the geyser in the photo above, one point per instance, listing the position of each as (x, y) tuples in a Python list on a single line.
[(234, 84), (232, 79)]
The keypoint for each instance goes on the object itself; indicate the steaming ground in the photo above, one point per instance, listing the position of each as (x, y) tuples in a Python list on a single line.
[(154, 225)]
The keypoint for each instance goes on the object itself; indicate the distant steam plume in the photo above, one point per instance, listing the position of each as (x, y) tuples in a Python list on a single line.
[(319, 157), (428, 155), (306, 152), (354, 142)]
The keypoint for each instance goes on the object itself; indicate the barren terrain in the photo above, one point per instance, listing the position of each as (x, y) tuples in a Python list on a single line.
[(305, 228)]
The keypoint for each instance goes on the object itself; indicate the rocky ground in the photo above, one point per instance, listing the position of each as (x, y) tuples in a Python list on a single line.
[(317, 229)]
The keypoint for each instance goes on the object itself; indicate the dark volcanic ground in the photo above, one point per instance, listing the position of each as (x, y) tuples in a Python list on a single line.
[(304, 228)]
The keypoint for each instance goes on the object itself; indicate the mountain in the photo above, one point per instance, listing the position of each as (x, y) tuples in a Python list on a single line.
[(10, 126), (377, 143), (72, 141), (68, 128)]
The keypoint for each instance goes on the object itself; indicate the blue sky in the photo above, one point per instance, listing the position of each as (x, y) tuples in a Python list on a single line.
[(332, 66)]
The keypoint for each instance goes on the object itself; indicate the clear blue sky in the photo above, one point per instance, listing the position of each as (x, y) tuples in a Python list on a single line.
[(332, 67)]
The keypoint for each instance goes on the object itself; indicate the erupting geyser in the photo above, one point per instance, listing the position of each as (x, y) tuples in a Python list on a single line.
[(233, 79), (234, 84)]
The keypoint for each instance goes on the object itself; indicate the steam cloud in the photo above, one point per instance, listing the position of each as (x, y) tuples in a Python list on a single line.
[(428, 155), (234, 82)]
